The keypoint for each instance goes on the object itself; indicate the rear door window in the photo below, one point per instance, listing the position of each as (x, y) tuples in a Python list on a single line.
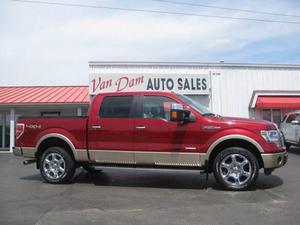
[(116, 107)]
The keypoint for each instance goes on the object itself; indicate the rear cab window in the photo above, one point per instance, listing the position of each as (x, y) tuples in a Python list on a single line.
[(117, 107)]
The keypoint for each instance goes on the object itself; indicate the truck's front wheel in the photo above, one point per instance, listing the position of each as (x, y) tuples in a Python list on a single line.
[(236, 168), (56, 165)]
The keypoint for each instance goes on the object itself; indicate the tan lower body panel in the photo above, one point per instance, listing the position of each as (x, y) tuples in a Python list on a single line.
[(148, 158), (168, 158), (112, 156), (28, 152), (133, 157), (81, 155)]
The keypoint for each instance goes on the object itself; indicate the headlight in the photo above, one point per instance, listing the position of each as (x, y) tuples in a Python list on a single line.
[(272, 136)]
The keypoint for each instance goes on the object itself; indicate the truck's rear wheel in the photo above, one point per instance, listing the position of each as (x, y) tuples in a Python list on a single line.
[(56, 165), (236, 168)]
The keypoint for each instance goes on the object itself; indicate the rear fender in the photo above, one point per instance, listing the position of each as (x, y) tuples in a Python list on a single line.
[(67, 137)]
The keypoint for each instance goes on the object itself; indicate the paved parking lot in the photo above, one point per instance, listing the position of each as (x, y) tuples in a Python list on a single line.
[(128, 196)]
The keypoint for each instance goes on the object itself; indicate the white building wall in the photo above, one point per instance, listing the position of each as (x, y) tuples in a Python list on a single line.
[(233, 88)]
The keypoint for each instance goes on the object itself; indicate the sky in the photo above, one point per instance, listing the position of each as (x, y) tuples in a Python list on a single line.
[(52, 45)]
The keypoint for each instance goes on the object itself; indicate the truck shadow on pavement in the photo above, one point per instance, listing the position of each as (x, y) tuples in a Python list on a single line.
[(162, 179), (157, 179)]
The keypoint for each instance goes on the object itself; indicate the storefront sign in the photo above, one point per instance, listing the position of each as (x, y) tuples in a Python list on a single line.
[(179, 83)]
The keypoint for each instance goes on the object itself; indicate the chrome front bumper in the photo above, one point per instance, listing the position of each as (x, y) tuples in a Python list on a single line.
[(274, 160)]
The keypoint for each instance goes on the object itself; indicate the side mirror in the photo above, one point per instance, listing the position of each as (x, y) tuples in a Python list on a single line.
[(295, 122), (180, 114)]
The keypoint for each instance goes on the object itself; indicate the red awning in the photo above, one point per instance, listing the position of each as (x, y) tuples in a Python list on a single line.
[(277, 102)]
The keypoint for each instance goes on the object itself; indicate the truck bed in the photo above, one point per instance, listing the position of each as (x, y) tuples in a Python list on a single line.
[(74, 127)]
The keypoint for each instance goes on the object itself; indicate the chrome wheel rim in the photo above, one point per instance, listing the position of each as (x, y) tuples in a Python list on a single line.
[(235, 170), (54, 166)]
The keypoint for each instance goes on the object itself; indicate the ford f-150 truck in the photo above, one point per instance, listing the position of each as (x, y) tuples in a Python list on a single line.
[(155, 130)]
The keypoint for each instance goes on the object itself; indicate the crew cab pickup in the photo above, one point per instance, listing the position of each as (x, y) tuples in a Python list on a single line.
[(154, 130)]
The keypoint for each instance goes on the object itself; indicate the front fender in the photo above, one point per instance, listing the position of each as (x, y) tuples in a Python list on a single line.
[(229, 134)]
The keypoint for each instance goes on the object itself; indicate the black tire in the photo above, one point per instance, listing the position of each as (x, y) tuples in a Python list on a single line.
[(233, 174), (61, 162)]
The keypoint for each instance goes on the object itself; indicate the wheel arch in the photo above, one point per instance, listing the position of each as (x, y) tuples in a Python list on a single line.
[(54, 139), (234, 141)]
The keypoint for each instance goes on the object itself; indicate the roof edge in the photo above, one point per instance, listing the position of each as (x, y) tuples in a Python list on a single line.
[(217, 64), (37, 86)]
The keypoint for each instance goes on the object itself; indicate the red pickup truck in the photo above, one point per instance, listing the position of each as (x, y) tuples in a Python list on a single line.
[(155, 130)]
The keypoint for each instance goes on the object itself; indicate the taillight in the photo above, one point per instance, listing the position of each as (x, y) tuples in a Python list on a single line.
[(19, 129)]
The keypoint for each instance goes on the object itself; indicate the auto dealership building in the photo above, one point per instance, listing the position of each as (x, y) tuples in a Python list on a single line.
[(259, 91)]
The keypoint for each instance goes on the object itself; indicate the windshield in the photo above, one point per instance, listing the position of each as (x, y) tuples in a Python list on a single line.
[(196, 105)]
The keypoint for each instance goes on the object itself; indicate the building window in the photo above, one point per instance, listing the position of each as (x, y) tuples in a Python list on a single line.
[(273, 115), (267, 114), (276, 116), (50, 114)]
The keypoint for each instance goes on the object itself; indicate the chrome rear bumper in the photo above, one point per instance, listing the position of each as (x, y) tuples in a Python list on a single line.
[(17, 151), (27, 152)]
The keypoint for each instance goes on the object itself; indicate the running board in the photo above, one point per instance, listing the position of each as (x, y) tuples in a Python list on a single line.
[(149, 166)]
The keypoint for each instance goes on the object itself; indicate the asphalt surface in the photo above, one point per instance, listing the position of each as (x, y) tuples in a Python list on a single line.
[(131, 196)]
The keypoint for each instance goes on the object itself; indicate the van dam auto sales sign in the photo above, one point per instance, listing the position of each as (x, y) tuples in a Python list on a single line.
[(179, 83)]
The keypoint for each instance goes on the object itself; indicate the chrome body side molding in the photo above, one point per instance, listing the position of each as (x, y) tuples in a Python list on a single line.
[(147, 158)]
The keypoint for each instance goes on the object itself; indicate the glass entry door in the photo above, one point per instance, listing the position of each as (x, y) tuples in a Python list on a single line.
[(7, 130), (1, 131), (4, 131)]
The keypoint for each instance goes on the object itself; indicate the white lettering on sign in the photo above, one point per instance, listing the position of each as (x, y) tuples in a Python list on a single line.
[(184, 84)]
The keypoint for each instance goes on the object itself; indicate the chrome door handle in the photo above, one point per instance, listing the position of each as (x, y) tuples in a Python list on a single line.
[(96, 127), (140, 127)]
